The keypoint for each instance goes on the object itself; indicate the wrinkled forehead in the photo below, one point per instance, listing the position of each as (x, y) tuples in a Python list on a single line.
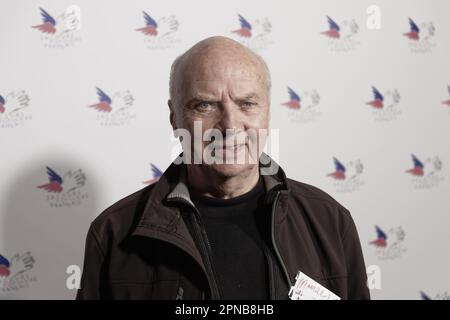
[(211, 73)]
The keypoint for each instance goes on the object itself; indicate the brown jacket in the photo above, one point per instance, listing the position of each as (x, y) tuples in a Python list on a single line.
[(151, 244)]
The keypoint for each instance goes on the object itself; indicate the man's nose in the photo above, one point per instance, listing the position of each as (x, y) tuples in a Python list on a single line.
[(230, 117)]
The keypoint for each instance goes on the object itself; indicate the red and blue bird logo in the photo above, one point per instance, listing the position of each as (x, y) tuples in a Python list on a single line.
[(381, 240), (48, 23), (294, 100), (339, 172), (4, 266), (156, 173), (414, 31), (417, 170), (245, 30), (120, 101), (104, 103), (55, 182), (151, 27), (70, 181), (424, 296), (2, 104), (378, 99), (333, 31)]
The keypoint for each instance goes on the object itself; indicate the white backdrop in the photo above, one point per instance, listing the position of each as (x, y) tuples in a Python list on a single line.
[(49, 117)]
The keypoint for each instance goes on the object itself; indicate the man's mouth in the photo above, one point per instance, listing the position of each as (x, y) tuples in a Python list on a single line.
[(229, 150), (233, 147)]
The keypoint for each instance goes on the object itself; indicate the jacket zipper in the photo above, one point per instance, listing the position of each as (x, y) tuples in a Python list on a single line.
[(205, 250), (274, 206), (208, 253), (271, 273)]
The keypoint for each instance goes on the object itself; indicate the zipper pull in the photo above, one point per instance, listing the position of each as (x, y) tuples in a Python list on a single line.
[(180, 294)]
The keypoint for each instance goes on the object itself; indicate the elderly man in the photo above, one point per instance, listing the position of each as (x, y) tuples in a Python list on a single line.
[(223, 222)]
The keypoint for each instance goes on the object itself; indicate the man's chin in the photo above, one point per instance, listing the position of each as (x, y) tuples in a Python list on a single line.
[(231, 169)]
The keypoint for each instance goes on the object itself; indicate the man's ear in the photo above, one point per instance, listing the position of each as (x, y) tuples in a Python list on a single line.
[(172, 115)]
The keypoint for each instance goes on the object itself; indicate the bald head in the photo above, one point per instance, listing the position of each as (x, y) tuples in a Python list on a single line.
[(215, 55)]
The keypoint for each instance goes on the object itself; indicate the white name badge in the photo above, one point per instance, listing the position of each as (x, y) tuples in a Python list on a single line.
[(306, 288)]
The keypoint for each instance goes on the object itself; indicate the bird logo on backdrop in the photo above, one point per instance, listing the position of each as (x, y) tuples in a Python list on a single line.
[(339, 172), (384, 104), (418, 167), (72, 180), (61, 31), (14, 272), (104, 103), (294, 100), (301, 107), (381, 240), (18, 264), (426, 173), (342, 35), (378, 99), (246, 28), (440, 296), (13, 102), (156, 174), (414, 31), (2, 104), (255, 35), (420, 38), (424, 296), (64, 191), (347, 177), (12, 113), (4, 267), (159, 34), (48, 23), (151, 26), (114, 111), (389, 245), (333, 31)]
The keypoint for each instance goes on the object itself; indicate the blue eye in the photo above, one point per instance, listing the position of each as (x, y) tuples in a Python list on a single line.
[(248, 104), (204, 106)]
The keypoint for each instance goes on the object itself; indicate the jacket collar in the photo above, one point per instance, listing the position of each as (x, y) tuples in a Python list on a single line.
[(181, 189), (161, 218)]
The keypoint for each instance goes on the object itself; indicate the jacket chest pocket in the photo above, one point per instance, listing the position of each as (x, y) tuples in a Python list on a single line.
[(158, 290)]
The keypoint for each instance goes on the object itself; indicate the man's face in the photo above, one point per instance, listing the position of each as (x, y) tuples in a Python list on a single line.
[(225, 94)]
